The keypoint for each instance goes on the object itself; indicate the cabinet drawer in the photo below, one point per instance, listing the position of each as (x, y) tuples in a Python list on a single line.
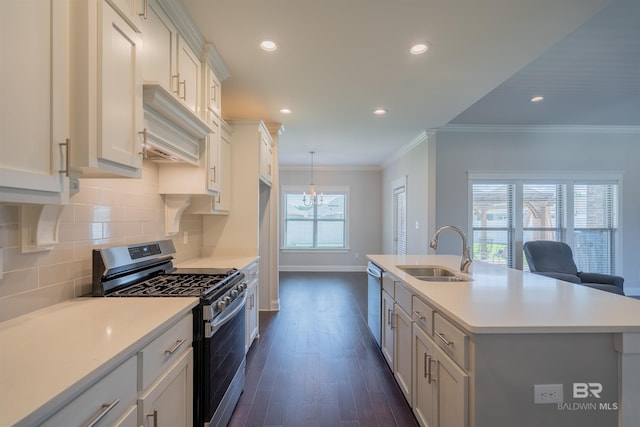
[(452, 340), (403, 297), (422, 314), (108, 399), (157, 355), (388, 284)]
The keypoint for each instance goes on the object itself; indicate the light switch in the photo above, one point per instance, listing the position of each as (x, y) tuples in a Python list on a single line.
[(417, 225)]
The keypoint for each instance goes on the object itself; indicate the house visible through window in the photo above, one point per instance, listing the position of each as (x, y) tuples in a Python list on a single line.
[(581, 212), (322, 226)]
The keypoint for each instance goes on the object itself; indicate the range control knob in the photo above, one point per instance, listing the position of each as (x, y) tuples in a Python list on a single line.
[(221, 305), (234, 293), (227, 299), (241, 287)]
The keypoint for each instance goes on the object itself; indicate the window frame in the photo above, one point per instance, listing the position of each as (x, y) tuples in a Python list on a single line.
[(569, 179), (299, 189)]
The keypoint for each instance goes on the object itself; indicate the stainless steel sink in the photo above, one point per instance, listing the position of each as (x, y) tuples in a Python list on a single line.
[(432, 273)]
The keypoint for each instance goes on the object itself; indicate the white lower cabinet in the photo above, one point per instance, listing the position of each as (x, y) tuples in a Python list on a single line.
[(441, 388), (152, 387), (104, 402), (252, 324), (402, 368), (387, 333), (168, 401)]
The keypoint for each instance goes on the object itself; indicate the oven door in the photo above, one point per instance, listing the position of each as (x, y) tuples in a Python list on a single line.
[(224, 363)]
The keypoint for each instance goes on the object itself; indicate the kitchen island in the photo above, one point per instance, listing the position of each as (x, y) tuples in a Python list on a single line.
[(503, 332)]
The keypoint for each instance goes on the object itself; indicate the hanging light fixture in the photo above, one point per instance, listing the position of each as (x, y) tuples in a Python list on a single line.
[(312, 200)]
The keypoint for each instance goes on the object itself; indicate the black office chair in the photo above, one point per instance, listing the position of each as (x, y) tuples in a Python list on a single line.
[(555, 259)]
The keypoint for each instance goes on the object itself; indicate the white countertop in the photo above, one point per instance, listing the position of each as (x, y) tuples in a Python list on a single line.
[(49, 355), (219, 261), (502, 300)]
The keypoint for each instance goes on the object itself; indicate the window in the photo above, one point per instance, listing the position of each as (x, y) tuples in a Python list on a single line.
[(581, 212), (315, 227)]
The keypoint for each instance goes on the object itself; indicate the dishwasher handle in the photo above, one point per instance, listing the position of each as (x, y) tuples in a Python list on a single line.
[(374, 271)]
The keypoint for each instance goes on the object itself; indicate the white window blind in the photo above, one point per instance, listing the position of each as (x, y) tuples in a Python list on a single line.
[(581, 213)]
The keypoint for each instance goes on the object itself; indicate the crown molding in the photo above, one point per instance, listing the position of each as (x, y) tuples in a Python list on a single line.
[(189, 31), (423, 136), (542, 129)]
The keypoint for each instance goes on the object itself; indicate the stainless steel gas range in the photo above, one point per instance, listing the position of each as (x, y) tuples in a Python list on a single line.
[(147, 270)]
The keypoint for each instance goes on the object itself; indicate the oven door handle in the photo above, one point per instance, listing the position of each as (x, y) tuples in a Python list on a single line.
[(219, 322)]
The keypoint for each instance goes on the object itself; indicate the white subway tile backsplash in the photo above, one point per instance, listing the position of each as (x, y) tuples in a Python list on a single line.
[(105, 212)]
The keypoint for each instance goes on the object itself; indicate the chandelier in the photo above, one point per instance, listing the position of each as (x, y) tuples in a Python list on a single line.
[(312, 200)]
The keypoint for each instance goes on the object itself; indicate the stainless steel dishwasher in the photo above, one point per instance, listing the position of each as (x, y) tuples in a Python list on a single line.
[(374, 297)]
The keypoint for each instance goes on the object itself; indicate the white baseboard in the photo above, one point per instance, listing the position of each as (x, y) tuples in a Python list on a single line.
[(323, 268)]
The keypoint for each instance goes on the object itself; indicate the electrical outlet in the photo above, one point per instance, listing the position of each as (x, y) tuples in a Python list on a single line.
[(547, 393)]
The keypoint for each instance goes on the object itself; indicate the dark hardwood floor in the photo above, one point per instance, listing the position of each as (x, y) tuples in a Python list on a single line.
[(316, 363)]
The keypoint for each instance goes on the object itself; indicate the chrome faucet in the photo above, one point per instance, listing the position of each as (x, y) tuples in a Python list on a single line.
[(465, 259)]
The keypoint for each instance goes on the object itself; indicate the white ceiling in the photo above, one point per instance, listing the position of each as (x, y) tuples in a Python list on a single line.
[(338, 60)]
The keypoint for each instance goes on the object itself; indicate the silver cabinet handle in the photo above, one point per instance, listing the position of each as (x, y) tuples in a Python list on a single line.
[(388, 316), (442, 338), (430, 378), (176, 346), (419, 315), (155, 417), (146, 7), (177, 91), (67, 147), (426, 368), (106, 408)]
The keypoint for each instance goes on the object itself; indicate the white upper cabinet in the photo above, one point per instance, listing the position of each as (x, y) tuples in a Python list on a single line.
[(187, 78), (106, 93), (34, 111), (169, 60), (266, 157), (159, 55), (134, 11)]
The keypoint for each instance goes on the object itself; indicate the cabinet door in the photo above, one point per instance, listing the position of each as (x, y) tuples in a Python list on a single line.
[(252, 314), (169, 401), (424, 392), (453, 391), (402, 351), (387, 338), (134, 11), (187, 80), (223, 201), (159, 55), (34, 110), (120, 112), (214, 177), (213, 91), (440, 388)]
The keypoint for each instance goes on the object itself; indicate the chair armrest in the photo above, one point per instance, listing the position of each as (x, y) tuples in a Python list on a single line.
[(606, 279), (561, 276)]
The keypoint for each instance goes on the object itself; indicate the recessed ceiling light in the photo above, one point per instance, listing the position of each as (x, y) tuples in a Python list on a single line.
[(537, 99), (419, 48), (285, 111), (380, 112), (268, 45)]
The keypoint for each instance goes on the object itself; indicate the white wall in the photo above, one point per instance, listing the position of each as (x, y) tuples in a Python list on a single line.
[(554, 149), (417, 163), (365, 218), (105, 212)]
